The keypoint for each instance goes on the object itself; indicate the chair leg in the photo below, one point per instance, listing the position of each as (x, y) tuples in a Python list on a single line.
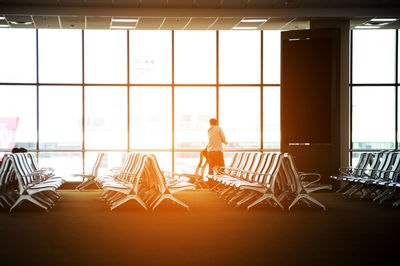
[(179, 202), (170, 197), (257, 201), (126, 199), (245, 199), (28, 198), (298, 197), (17, 202), (215, 187), (238, 195), (315, 201), (397, 203), (381, 195), (86, 184), (388, 196), (78, 187), (344, 187), (367, 192), (35, 201)]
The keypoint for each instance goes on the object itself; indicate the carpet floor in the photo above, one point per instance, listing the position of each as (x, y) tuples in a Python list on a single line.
[(81, 230)]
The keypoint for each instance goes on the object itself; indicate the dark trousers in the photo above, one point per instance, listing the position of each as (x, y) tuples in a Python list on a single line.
[(215, 158)]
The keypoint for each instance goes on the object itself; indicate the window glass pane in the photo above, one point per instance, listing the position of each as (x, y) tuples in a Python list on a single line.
[(65, 164), (110, 160), (18, 55), (60, 122), (19, 102), (106, 118), (194, 106), (60, 56), (164, 160), (239, 57), (373, 56), (271, 117), (373, 118), (272, 57), (240, 116), (151, 117), (150, 57), (195, 57), (105, 56)]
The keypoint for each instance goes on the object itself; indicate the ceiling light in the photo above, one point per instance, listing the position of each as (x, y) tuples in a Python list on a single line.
[(383, 19), (4, 26), (2, 18), (21, 22), (248, 20), (244, 28), (367, 27), (125, 20), (122, 27)]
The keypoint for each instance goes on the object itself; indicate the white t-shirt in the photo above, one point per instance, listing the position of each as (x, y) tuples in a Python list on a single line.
[(215, 138)]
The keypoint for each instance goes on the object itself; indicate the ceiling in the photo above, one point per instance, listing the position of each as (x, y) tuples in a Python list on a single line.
[(192, 14)]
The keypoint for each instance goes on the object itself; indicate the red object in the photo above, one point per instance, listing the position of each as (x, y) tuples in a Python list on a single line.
[(8, 129)]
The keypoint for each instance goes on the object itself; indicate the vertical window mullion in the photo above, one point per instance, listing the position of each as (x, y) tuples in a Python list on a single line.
[(83, 100), (128, 91), (37, 90), (173, 101), (351, 95), (217, 74), (262, 93), (396, 67)]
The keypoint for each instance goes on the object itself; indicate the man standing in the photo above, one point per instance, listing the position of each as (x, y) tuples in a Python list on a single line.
[(214, 148)]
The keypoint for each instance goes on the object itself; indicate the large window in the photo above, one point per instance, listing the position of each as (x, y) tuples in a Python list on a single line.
[(77, 93), (374, 90)]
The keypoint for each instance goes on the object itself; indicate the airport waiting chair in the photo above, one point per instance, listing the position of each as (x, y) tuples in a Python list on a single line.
[(88, 179)]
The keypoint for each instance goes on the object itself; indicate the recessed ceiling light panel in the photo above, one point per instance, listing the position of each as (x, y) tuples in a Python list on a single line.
[(122, 27), (383, 20), (244, 28), (133, 20), (249, 20)]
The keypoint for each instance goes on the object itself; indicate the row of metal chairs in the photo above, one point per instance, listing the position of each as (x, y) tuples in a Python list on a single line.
[(265, 177), (140, 178), (21, 180), (375, 176)]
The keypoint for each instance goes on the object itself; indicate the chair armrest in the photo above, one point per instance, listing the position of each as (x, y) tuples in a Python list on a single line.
[(304, 175)]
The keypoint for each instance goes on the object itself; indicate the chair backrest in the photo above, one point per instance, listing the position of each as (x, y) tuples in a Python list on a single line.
[(394, 168), (266, 168), (33, 161), (96, 166), (272, 170), (252, 162), (131, 163), (128, 163), (291, 176), (138, 172), (378, 164), (362, 163), (156, 177), (236, 164), (5, 171), (385, 164), (262, 163), (133, 174), (241, 165), (23, 176), (234, 159)]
